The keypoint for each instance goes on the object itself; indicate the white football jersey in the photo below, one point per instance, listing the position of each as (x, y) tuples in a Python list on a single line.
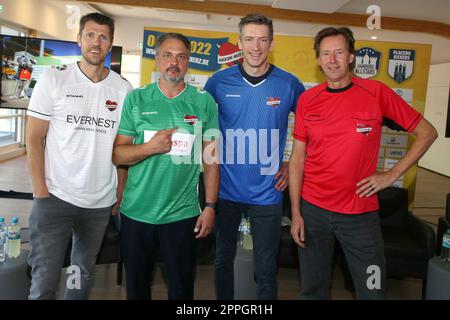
[(84, 117)]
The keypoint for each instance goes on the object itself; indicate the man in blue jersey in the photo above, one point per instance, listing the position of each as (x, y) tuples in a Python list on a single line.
[(254, 101)]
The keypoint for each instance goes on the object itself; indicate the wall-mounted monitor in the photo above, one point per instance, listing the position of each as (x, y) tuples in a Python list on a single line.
[(24, 59)]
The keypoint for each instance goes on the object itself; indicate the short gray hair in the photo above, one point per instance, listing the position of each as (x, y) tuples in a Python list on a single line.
[(172, 35)]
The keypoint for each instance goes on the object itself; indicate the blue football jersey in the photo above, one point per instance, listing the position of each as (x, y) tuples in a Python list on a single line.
[(253, 120)]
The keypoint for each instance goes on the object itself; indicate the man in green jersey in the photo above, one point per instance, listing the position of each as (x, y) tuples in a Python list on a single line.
[(163, 129)]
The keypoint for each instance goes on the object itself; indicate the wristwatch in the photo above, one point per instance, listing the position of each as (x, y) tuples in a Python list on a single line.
[(210, 205)]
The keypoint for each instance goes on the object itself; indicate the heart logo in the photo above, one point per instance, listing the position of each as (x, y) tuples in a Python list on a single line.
[(229, 54), (111, 105), (190, 119)]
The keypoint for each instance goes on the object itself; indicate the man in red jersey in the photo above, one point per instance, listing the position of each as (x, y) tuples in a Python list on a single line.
[(332, 172)]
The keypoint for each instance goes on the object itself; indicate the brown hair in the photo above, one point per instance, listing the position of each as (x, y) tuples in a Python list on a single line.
[(99, 19), (256, 18), (332, 31)]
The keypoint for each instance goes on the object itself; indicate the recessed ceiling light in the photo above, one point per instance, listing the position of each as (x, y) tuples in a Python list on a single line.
[(374, 37)]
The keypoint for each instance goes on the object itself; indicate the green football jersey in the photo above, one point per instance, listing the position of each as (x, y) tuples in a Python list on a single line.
[(163, 188)]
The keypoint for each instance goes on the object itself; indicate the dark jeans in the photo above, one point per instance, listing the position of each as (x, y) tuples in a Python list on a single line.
[(360, 238), (139, 243), (266, 230)]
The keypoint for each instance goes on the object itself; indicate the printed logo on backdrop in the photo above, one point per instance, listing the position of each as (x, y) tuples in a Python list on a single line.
[(401, 64), (367, 62), (205, 52), (406, 94), (229, 54)]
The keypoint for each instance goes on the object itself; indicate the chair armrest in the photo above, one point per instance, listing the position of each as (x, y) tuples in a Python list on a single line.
[(422, 233)]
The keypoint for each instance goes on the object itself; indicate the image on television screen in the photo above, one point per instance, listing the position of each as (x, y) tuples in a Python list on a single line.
[(25, 59)]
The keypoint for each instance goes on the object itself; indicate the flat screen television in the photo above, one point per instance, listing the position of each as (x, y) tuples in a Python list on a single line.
[(24, 59)]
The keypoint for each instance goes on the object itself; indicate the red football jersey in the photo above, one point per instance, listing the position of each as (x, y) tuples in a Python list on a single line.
[(342, 130)]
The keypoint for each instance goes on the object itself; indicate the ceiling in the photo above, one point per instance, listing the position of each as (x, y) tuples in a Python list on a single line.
[(430, 10)]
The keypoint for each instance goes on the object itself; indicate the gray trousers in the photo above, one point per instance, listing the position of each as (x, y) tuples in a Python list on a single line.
[(361, 240), (52, 223)]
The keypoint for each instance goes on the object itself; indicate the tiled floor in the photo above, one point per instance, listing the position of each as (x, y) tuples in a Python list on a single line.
[(431, 189)]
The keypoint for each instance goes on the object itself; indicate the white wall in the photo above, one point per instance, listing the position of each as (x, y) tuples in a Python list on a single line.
[(48, 20), (437, 157)]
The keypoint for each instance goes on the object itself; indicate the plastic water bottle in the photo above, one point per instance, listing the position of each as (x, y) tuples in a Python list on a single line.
[(3, 234), (13, 239), (247, 243), (445, 246), (241, 232)]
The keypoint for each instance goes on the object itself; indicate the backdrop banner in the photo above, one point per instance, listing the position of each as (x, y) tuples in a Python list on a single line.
[(402, 66)]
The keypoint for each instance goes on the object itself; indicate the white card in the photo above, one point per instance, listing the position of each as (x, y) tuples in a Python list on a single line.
[(181, 142)]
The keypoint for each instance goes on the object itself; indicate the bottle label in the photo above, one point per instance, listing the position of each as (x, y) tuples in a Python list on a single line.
[(13, 235), (446, 242)]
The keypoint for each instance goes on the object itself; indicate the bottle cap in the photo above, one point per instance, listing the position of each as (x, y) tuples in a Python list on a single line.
[(15, 220), (2, 219)]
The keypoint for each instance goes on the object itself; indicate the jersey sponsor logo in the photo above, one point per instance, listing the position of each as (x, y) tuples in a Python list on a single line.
[(229, 54), (111, 105), (149, 113), (74, 96), (190, 119), (273, 102), (367, 62), (92, 121), (363, 128), (228, 95), (401, 64), (181, 142)]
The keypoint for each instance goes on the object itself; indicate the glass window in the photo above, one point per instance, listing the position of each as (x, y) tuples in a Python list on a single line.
[(11, 123), (131, 65)]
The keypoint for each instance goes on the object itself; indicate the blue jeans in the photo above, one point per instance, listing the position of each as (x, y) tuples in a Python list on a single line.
[(266, 231), (52, 223), (361, 240)]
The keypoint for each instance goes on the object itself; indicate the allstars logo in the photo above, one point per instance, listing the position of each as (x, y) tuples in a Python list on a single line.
[(367, 62), (111, 105), (190, 119), (273, 102)]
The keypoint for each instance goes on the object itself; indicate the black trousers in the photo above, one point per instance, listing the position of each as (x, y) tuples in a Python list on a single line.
[(177, 244)]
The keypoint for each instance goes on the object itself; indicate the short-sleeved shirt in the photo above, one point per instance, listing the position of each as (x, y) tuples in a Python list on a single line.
[(163, 187), (342, 131), (253, 120), (83, 121)]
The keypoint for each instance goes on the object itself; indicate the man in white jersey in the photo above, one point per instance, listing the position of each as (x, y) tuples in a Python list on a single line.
[(73, 118)]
